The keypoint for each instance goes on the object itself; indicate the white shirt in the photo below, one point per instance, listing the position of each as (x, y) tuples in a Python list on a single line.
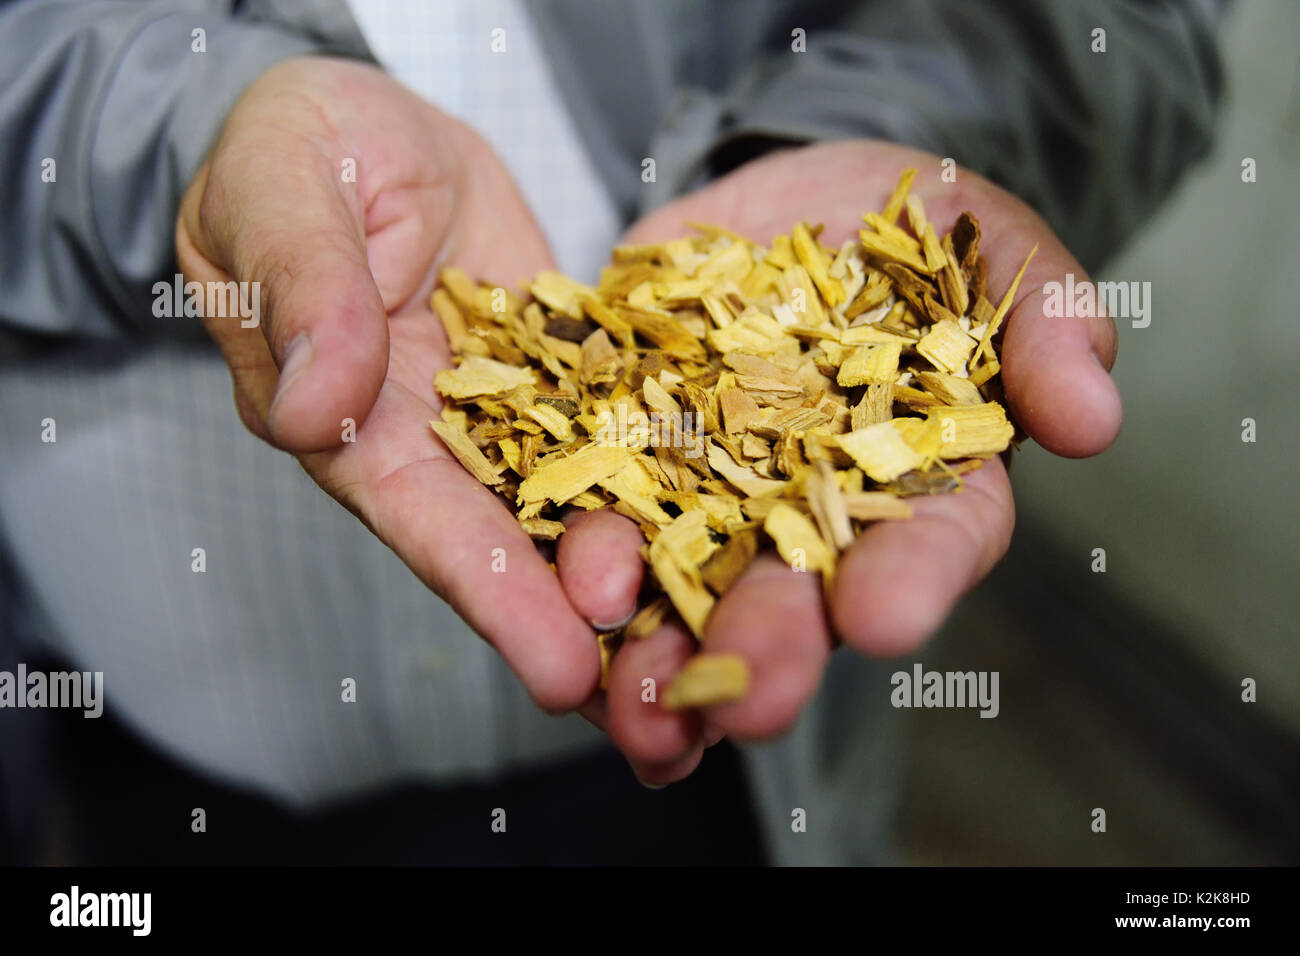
[(481, 62)]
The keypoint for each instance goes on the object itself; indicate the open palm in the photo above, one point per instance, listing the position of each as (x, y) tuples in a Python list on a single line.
[(899, 580), (340, 192)]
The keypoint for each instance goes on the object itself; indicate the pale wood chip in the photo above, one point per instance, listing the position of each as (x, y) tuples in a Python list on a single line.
[(971, 430), (950, 389), (466, 452), (477, 376), (947, 346), (562, 478), (797, 540), (880, 451), (706, 679), (870, 365)]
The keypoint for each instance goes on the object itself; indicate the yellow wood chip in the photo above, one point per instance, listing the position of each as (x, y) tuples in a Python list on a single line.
[(871, 365), (972, 430), (872, 335), (732, 261), (658, 399), (814, 260), (745, 479), (1004, 307), (947, 346), (635, 487), (876, 406), (453, 323), (880, 451), (950, 389), (562, 478), (893, 234), (559, 292), (647, 620), (730, 561), (874, 505), (706, 679), (923, 435), (826, 502), (606, 643), (881, 247), (798, 541), (675, 557), (466, 452), (551, 420), (542, 529), (894, 205), (477, 376), (875, 292), (934, 256), (600, 362), (985, 372), (664, 331)]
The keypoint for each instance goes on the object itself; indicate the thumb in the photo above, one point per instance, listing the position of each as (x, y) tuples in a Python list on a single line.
[(278, 218)]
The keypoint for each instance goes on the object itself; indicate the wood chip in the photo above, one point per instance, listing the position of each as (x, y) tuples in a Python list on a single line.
[(466, 452), (560, 479), (542, 529), (947, 346), (1004, 307), (972, 430), (798, 541), (706, 679), (477, 376), (870, 365), (880, 451), (874, 505), (723, 395), (647, 620), (675, 557), (950, 389), (730, 561)]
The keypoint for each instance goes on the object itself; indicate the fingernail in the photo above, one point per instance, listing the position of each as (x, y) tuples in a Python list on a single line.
[(296, 360), (651, 786), (617, 624)]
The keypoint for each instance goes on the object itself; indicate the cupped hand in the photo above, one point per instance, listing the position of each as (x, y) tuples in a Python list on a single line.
[(340, 192), (898, 582)]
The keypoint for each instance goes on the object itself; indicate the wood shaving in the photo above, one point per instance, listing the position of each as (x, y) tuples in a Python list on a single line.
[(708, 679), (728, 397)]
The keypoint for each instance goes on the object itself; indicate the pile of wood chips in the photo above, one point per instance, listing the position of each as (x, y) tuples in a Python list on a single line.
[(723, 395)]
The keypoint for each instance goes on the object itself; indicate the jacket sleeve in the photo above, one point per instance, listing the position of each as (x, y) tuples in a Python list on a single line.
[(1012, 89), (106, 111)]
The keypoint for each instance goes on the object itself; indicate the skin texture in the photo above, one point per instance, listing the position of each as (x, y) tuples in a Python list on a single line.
[(346, 269)]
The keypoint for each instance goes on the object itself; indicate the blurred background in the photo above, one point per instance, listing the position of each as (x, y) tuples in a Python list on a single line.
[(1123, 690)]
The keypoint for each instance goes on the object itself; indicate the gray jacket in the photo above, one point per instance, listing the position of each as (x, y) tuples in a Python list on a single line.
[(113, 93)]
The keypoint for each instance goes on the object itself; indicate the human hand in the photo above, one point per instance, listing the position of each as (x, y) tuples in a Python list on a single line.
[(898, 582), (345, 266)]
